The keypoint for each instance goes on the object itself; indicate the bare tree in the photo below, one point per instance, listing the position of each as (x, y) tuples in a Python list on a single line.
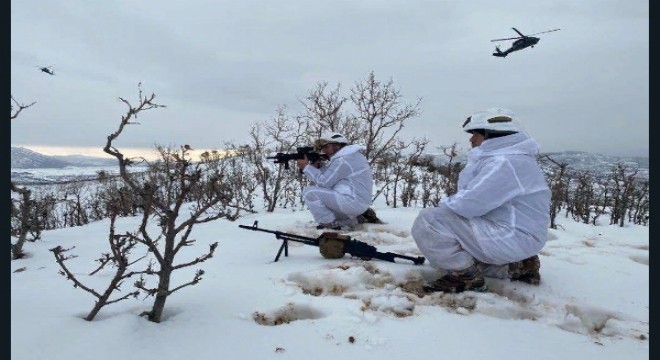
[(639, 213), (411, 175), (376, 118), (169, 182), (374, 115), (278, 184), (74, 197), (431, 187), (323, 111), (25, 211), (399, 175), (450, 169), (380, 115), (622, 182), (209, 189), (584, 197), (557, 178)]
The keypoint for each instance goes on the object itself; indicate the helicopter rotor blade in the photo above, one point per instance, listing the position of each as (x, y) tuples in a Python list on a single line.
[(514, 38), (543, 32), (519, 33)]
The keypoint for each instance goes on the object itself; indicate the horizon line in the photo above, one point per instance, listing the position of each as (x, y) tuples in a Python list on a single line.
[(53, 150), (150, 153)]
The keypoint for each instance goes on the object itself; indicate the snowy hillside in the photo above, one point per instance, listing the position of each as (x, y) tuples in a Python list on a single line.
[(22, 158), (592, 303)]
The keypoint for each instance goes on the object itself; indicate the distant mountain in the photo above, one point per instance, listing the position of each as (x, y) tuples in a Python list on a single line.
[(85, 160), (22, 158)]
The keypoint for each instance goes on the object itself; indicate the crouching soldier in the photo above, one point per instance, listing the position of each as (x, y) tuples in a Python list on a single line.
[(498, 219)]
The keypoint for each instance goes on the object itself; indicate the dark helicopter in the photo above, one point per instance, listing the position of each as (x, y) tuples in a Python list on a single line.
[(522, 41), (47, 70)]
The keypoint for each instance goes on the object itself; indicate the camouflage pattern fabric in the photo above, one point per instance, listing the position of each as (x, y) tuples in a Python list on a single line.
[(527, 270), (469, 279)]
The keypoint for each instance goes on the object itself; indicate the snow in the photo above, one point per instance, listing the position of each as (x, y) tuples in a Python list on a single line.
[(592, 303)]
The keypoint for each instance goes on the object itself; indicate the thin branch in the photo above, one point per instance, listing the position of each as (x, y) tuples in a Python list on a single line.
[(20, 106)]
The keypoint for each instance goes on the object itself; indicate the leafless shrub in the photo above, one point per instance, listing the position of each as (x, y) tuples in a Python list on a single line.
[(399, 173), (450, 169), (380, 114), (280, 186), (586, 195), (557, 178), (589, 199), (120, 251), (640, 202), (23, 213), (373, 115), (172, 185), (623, 181)]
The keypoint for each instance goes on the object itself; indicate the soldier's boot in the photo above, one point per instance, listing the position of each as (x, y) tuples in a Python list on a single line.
[(329, 226), (369, 217), (526, 270), (470, 279)]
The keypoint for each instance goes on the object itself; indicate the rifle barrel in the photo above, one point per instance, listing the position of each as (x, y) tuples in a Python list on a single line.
[(362, 249), (284, 236)]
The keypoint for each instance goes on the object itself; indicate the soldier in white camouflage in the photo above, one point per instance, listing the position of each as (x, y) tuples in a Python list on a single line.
[(342, 187), (497, 221)]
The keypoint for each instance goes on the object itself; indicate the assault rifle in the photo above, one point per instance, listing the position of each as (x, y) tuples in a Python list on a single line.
[(312, 156), (334, 245)]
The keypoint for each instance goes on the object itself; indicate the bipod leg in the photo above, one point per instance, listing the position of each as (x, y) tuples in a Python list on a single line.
[(285, 247)]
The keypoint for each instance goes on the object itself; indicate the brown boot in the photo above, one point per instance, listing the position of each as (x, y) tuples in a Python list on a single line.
[(369, 217), (469, 279), (526, 270)]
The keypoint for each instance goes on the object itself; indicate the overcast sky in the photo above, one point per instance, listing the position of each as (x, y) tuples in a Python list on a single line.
[(222, 66)]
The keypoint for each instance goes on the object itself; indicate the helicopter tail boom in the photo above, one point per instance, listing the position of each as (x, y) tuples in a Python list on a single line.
[(499, 53)]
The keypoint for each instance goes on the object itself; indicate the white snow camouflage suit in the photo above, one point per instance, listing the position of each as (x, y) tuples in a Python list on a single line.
[(343, 187), (500, 213)]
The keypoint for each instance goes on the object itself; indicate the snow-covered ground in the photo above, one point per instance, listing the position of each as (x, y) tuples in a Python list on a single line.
[(592, 303)]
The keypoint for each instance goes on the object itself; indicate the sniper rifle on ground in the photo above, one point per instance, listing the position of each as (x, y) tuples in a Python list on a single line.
[(333, 245)]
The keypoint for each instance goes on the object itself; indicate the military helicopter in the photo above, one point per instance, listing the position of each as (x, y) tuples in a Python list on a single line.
[(47, 69), (522, 41)]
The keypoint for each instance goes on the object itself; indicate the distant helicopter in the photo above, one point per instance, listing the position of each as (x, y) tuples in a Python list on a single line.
[(522, 41), (47, 69)]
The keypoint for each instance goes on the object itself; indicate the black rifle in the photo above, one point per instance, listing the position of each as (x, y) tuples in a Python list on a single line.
[(352, 247), (312, 156)]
